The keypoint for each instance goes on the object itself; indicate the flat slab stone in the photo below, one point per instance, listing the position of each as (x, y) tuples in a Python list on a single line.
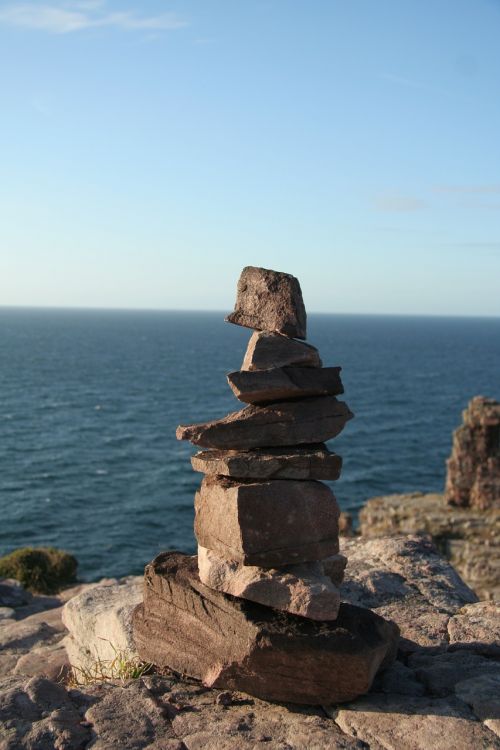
[(406, 722), (269, 524), (308, 462), (282, 383), (310, 420), (269, 301), (302, 590), (268, 349), (235, 644)]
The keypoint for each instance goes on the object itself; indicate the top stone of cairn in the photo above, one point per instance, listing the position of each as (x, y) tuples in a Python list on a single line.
[(269, 301)]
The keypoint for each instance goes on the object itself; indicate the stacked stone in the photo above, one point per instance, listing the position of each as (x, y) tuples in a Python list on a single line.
[(267, 529), (473, 478), (258, 610)]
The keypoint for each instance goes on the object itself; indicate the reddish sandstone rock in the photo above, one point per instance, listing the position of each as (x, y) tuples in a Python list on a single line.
[(268, 349), (269, 524), (280, 383), (310, 420), (474, 465), (302, 589), (234, 644), (269, 301), (307, 462)]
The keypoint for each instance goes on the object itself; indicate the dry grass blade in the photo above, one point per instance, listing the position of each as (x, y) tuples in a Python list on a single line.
[(123, 666)]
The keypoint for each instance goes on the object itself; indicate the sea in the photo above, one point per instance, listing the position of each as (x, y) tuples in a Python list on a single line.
[(90, 400)]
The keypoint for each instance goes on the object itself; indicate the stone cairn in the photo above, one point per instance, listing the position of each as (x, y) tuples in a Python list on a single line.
[(259, 608), (473, 478)]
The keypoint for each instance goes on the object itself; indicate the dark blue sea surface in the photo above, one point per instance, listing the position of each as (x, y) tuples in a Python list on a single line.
[(89, 403)]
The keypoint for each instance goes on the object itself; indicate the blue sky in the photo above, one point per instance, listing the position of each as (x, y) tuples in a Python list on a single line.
[(151, 149)]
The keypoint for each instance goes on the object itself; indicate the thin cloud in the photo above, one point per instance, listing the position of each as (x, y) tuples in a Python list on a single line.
[(81, 15), (468, 189), (479, 245), (398, 203)]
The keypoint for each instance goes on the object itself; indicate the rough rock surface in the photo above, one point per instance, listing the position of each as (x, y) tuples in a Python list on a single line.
[(476, 627), (282, 383), (267, 349), (473, 477), (334, 568), (311, 420), (469, 538), (235, 644), (302, 590), (401, 712), (269, 301), (99, 621), (404, 579), (307, 462), (269, 524), (414, 723)]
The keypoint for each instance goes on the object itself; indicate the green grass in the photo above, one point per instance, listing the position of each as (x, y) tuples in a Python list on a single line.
[(42, 570)]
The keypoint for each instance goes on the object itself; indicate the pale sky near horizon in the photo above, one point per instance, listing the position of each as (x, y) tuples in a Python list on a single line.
[(150, 150)]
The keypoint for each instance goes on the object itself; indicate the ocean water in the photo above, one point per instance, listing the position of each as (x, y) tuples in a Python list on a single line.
[(89, 403)]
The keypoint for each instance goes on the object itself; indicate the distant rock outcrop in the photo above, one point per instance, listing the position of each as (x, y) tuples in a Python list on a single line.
[(473, 478), (464, 522)]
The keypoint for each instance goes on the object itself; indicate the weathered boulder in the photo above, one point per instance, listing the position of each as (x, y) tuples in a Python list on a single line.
[(414, 723), (269, 301), (235, 644), (268, 349), (302, 589), (301, 462), (269, 524), (99, 621), (405, 579), (477, 627), (282, 383), (310, 420), (473, 477), (469, 538)]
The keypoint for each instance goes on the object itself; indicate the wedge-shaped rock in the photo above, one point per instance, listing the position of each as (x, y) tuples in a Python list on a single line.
[(311, 420), (234, 644), (285, 383), (267, 349), (299, 589), (269, 524), (269, 301), (308, 462)]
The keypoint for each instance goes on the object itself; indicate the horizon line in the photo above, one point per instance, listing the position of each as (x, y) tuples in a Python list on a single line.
[(90, 308)]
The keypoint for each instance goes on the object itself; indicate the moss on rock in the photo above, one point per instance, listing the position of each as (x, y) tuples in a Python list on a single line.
[(43, 570)]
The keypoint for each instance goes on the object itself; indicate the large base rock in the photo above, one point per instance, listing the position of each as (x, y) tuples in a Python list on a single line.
[(231, 643)]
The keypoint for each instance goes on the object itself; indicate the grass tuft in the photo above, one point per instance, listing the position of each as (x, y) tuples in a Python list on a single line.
[(123, 666)]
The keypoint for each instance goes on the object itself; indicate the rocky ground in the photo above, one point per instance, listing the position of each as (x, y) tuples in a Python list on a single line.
[(442, 692), (468, 537)]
